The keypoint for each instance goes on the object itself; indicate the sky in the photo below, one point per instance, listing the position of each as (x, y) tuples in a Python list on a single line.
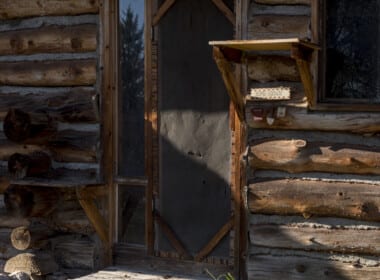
[(136, 5)]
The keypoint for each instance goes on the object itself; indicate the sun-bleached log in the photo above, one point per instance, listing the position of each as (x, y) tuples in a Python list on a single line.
[(316, 239), (268, 68), (314, 198), (298, 118), (307, 267), (28, 8), (299, 155), (284, 2), (52, 39), (79, 72), (278, 27)]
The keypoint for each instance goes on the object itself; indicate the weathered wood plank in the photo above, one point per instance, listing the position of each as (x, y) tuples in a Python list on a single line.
[(73, 221), (279, 27), (302, 119), (297, 268), (316, 239), (73, 105), (300, 155), (284, 2), (270, 68), (315, 198), (48, 73), (283, 9), (28, 8), (52, 39)]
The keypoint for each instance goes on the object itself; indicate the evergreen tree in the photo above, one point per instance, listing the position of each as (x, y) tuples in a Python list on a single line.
[(131, 59), (132, 95)]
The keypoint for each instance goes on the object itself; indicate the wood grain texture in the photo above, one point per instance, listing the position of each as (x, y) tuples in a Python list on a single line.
[(279, 27), (51, 39), (315, 198), (11, 9), (48, 73), (284, 2), (72, 105), (302, 119), (299, 268), (316, 239), (299, 155), (270, 68)]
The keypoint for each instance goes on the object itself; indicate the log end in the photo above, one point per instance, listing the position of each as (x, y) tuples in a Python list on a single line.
[(17, 125)]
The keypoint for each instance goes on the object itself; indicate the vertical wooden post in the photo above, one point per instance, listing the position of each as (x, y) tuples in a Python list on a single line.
[(108, 72), (240, 220), (149, 118)]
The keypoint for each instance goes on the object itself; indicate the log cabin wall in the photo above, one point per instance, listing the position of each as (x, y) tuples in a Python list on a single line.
[(313, 176), (49, 65)]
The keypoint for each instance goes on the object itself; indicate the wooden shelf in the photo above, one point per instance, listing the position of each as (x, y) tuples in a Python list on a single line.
[(264, 45), (225, 52)]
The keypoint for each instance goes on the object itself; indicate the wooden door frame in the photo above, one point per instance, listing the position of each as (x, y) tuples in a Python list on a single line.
[(109, 66)]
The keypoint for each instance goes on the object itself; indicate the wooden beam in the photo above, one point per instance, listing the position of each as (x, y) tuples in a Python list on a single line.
[(11, 9), (93, 215), (172, 237), (303, 58), (230, 82), (342, 240), (299, 155), (52, 39), (162, 11), (315, 198), (48, 73), (225, 10), (206, 250)]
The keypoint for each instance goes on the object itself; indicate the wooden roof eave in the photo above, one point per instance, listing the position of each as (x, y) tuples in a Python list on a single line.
[(225, 52)]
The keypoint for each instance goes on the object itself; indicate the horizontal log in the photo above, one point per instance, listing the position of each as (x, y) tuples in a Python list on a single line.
[(48, 73), (37, 164), (315, 198), (26, 201), (270, 68), (283, 9), (52, 39), (300, 155), (73, 221), (279, 27), (62, 149), (296, 267), (28, 8), (301, 119), (284, 2), (7, 221), (32, 237), (81, 254), (71, 105), (316, 239), (6, 249)]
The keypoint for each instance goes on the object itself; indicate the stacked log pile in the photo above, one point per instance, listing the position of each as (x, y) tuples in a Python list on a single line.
[(314, 177), (49, 134)]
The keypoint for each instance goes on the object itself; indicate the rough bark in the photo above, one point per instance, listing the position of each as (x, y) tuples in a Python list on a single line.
[(315, 198)]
